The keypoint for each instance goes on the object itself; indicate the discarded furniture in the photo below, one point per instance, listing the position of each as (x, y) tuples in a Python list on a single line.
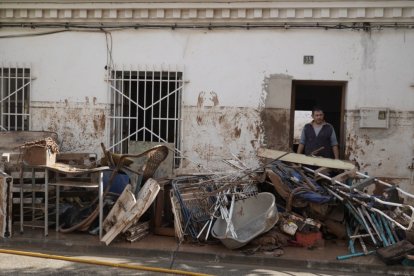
[(402, 215), (152, 160), (36, 155), (190, 205), (93, 183), (198, 200), (155, 157), (79, 176), (34, 198), (250, 217), (294, 187), (128, 210), (68, 170), (10, 142)]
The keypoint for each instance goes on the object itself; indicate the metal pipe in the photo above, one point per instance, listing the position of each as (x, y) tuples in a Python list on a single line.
[(386, 184), (359, 236), (381, 231), (351, 240), (344, 257), (367, 226), (354, 212), (209, 228), (387, 228), (365, 212), (231, 211)]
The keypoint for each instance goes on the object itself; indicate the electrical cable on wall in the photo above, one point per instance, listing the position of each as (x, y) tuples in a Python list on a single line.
[(365, 26), (109, 44)]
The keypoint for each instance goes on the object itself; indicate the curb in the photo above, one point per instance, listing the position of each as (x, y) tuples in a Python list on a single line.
[(267, 261)]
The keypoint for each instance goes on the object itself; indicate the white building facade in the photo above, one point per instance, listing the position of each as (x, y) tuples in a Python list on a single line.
[(214, 80)]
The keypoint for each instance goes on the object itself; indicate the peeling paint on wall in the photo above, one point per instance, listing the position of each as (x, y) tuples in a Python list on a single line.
[(80, 126)]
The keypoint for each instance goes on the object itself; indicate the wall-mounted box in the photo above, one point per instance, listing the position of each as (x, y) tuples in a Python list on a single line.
[(374, 117)]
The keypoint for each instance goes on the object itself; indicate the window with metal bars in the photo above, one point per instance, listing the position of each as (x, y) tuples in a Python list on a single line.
[(145, 106), (14, 98)]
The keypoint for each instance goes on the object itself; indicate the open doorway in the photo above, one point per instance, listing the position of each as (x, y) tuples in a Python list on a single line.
[(329, 96)]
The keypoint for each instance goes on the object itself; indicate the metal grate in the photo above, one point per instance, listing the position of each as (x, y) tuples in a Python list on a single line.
[(15, 86), (145, 106)]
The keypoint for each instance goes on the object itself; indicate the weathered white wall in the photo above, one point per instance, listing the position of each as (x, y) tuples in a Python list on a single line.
[(226, 70), (70, 65)]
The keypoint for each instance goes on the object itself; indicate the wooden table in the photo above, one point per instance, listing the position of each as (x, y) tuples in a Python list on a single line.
[(70, 171)]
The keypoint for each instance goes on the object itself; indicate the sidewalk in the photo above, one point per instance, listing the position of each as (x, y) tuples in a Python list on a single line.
[(320, 258)]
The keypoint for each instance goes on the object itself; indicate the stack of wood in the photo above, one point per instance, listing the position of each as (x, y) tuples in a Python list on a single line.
[(137, 232)]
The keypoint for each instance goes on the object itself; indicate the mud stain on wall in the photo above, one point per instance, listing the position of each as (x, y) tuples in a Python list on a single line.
[(276, 126), (214, 98), (385, 153), (81, 127), (99, 122), (237, 132), (213, 133)]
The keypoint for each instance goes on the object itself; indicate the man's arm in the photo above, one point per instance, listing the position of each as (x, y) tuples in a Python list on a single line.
[(334, 143), (300, 148), (335, 150)]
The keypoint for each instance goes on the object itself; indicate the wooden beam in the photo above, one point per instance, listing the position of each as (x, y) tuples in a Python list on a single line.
[(6, 187), (305, 160)]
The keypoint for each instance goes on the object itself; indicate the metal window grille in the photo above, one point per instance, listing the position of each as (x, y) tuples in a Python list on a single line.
[(15, 86), (145, 106)]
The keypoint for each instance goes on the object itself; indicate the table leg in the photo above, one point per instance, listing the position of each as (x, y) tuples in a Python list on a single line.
[(100, 204), (57, 206), (33, 196), (46, 201), (21, 199)]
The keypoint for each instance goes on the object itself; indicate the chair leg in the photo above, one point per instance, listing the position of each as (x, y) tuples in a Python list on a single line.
[(21, 199), (57, 206), (46, 202)]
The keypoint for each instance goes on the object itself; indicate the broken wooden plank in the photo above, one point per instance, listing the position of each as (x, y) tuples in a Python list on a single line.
[(305, 160), (176, 210), (124, 204), (145, 197), (144, 200), (73, 170), (6, 186)]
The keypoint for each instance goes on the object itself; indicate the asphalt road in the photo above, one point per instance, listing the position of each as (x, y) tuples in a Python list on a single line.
[(23, 265)]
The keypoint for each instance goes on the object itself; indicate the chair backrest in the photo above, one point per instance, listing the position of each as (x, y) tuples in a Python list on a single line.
[(155, 156)]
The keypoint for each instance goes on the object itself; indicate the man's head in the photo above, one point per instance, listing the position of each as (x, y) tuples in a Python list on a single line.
[(318, 115)]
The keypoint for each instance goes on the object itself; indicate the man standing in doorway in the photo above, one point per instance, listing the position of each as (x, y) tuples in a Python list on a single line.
[(318, 137)]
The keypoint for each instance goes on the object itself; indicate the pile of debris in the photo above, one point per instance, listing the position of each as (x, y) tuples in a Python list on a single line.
[(294, 201)]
